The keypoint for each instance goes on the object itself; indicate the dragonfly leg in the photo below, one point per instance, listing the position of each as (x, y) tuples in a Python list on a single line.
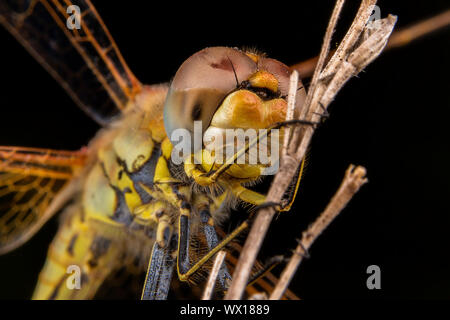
[(212, 175), (184, 269), (259, 200), (155, 212), (213, 241), (160, 270), (162, 259)]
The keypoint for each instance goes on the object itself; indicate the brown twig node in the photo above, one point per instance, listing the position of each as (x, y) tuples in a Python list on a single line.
[(361, 45), (353, 180)]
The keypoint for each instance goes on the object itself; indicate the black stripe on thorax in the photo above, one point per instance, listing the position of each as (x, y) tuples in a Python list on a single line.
[(144, 175), (122, 213)]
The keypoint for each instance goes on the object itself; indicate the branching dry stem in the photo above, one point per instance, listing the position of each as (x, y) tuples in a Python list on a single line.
[(357, 50), (353, 180), (398, 38)]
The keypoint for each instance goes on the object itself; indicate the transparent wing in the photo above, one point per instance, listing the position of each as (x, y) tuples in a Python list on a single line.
[(85, 62), (265, 283), (30, 179)]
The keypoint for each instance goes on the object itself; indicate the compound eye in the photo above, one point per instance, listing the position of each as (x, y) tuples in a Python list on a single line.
[(200, 85), (282, 74)]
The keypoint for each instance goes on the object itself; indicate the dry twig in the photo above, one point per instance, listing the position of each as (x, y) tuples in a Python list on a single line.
[(209, 289), (351, 57), (399, 38), (293, 83), (353, 180)]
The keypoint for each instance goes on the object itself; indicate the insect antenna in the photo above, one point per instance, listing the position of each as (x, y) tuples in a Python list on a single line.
[(234, 71)]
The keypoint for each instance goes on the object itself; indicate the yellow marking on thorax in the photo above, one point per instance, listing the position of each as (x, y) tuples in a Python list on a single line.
[(134, 147), (166, 147), (129, 150), (99, 198)]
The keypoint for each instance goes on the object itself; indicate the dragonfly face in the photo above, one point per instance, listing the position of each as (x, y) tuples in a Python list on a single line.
[(225, 88)]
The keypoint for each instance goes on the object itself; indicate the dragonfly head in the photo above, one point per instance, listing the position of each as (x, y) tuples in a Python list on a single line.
[(222, 88)]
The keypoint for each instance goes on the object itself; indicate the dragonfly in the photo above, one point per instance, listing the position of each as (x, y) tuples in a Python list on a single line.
[(125, 204)]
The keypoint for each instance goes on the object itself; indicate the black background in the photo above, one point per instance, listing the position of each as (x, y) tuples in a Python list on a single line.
[(393, 119)]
